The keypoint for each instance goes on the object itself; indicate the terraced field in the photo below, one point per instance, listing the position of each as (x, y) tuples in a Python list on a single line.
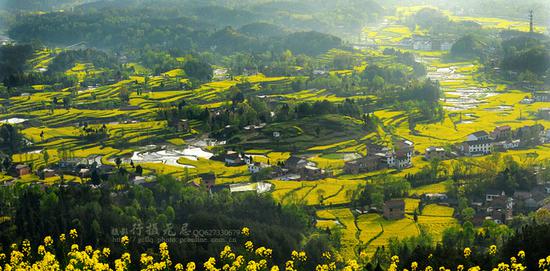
[(321, 192), (435, 219), (366, 232)]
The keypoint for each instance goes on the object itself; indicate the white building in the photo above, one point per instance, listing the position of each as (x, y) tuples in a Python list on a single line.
[(400, 157), (514, 144), (477, 136), (480, 147), (477, 143), (220, 74), (256, 167)]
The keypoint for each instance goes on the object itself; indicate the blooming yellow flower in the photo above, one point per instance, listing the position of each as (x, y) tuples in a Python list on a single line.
[(74, 247), (352, 265), (126, 257), (245, 231), (124, 240), (106, 252), (302, 256), (48, 240), (289, 264), (73, 233), (41, 250), (62, 237), (226, 253), (191, 266), (467, 252), (414, 265), (210, 264), (249, 246), (395, 259), (492, 250), (521, 254), (542, 263), (26, 247)]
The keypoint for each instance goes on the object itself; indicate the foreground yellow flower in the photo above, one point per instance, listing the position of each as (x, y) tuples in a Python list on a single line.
[(90, 259), (145, 259), (467, 252), (245, 231), (542, 263), (352, 265), (493, 250), (74, 247), (395, 259), (210, 264), (73, 233), (124, 240), (106, 252), (298, 256), (48, 241), (249, 245), (41, 250)]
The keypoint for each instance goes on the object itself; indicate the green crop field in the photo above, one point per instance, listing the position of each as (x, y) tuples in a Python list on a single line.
[(437, 210)]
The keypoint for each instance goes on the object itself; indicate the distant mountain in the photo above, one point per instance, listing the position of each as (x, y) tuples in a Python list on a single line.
[(262, 30), (40, 5)]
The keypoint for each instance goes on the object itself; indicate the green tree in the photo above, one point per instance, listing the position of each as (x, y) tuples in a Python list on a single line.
[(198, 70), (45, 156)]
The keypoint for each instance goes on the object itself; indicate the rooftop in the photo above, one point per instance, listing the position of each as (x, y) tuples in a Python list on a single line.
[(395, 203), (479, 134)]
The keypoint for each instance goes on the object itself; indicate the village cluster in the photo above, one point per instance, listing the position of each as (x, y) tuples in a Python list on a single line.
[(502, 138), (496, 206)]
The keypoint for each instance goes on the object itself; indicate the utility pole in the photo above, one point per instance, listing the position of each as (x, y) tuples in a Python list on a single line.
[(531, 25)]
